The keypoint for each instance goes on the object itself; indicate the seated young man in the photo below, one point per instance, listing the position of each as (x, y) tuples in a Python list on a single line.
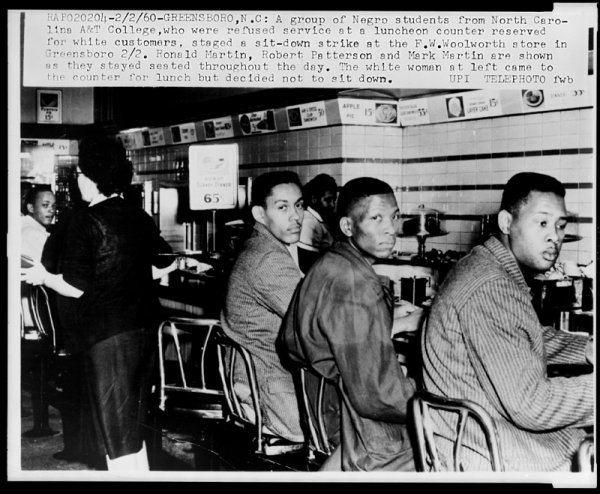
[(340, 324), (260, 287), (484, 342)]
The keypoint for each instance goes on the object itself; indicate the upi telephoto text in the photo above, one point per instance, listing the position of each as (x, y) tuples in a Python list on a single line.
[(312, 49)]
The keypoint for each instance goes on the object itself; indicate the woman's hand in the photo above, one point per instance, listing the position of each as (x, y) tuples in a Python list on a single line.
[(35, 275)]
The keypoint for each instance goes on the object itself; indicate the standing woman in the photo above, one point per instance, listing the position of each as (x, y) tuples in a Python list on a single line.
[(107, 301)]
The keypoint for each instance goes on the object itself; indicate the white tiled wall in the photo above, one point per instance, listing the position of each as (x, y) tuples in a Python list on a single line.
[(270, 152), (349, 151), (571, 129)]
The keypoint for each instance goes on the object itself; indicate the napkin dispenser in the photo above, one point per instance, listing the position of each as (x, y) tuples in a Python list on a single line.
[(413, 289)]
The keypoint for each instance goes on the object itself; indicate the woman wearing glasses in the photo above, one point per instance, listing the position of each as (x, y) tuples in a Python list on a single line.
[(107, 302)]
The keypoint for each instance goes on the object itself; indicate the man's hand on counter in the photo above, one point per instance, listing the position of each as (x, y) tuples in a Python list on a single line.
[(407, 317), (190, 264)]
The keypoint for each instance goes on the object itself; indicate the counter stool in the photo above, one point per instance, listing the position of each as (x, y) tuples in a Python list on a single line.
[(426, 453), (189, 342), (241, 414), (585, 459), (188, 386), (38, 338), (312, 403)]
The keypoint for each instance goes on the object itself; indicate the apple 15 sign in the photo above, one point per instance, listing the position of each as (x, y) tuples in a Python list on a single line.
[(213, 174)]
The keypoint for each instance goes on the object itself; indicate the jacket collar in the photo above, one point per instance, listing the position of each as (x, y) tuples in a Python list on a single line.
[(262, 231), (352, 254), (507, 260)]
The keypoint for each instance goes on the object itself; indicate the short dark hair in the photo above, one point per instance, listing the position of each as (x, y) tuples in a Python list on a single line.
[(104, 161), (318, 186), (264, 184), (32, 194), (518, 188), (356, 190)]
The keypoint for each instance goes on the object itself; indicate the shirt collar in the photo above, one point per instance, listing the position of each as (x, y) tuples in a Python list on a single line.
[(315, 214), (31, 222), (101, 197)]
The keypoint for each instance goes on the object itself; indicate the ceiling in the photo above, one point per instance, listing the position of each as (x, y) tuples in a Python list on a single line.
[(160, 106)]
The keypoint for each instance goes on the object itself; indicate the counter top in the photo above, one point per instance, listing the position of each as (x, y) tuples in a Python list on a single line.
[(198, 295)]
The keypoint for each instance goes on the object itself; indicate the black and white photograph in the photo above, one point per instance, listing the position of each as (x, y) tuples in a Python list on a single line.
[(304, 246)]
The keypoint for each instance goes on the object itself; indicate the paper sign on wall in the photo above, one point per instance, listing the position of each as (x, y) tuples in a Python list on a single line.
[(414, 112), (157, 137), (309, 115), (257, 122), (473, 104), (218, 128), (554, 99), (49, 106), (129, 140), (213, 174), (368, 112), (184, 133)]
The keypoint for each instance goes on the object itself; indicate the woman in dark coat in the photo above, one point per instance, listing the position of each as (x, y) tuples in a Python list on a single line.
[(107, 302)]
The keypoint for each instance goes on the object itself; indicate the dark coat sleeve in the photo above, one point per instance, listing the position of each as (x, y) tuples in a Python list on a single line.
[(356, 320)]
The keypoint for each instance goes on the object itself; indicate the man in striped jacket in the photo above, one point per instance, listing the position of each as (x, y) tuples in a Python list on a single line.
[(259, 290), (484, 342)]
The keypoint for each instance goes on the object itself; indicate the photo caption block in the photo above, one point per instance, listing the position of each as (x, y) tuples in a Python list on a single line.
[(307, 48)]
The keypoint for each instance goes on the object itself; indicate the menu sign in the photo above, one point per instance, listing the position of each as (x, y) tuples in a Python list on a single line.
[(49, 106), (213, 173), (308, 115), (554, 99), (153, 137), (157, 137), (414, 112), (218, 128), (58, 146), (184, 133), (368, 112), (130, 140), (473, 104), (257, 122), (485, 103)]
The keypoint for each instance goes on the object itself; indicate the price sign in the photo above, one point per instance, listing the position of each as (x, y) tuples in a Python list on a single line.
[(213, 172), (49, 106), (414, 112), (309, 115), (368, 112)]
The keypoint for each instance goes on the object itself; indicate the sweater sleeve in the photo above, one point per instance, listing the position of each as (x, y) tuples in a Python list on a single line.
[(563, 347), (508, 348)]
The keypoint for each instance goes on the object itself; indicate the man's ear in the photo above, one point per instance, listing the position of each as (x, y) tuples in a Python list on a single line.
[(346, 226), (30, 208), (258, 213), (504, 221)]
